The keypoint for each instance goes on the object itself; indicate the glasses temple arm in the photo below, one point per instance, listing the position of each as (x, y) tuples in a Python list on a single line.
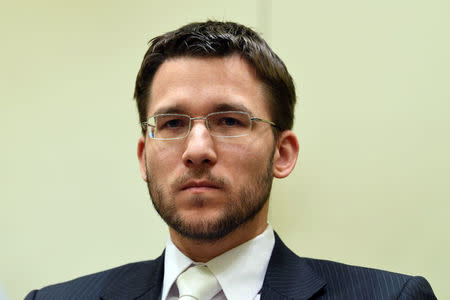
[(267, 122)]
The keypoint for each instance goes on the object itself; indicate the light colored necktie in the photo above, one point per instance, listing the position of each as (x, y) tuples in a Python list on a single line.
[(197, 283)]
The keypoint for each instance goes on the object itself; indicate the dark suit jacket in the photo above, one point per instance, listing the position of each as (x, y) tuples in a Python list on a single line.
[(288, 277)]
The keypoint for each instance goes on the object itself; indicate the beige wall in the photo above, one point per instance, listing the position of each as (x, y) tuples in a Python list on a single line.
[(372, 184)]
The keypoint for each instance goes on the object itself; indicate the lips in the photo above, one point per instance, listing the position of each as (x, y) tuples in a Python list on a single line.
[(199, 184)]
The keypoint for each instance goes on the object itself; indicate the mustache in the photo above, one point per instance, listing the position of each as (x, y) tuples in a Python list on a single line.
[(199, 174)]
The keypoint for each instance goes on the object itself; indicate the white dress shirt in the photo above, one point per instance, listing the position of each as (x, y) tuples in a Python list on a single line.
[(239, 271)]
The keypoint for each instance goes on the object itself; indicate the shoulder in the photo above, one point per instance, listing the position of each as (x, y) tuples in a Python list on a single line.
[(369, 283), (335, 280), (140, 274)]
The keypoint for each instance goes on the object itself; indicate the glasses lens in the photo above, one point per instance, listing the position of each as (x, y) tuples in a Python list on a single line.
[(229, 124), (170, 126)]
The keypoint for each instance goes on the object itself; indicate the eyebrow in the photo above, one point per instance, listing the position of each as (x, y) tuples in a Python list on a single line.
[(232, 107), (181, 109), (173, 109)]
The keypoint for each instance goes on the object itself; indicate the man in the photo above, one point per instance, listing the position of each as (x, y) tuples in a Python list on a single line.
[(217, 108)]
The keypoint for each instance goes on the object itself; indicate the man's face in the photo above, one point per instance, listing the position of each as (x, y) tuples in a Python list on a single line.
[(203, 186)]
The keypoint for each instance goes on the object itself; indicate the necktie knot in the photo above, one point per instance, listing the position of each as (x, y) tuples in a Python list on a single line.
[(198, 283)]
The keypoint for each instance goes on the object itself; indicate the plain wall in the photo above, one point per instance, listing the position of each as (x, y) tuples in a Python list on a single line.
[(371, 186)]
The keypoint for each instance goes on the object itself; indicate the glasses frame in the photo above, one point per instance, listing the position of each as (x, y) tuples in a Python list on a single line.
[(147, 124)]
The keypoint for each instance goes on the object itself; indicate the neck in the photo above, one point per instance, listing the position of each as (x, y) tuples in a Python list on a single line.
[(205, 250)]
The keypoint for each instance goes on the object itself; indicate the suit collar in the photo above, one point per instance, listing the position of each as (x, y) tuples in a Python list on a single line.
[(289, 276), (135, 281)]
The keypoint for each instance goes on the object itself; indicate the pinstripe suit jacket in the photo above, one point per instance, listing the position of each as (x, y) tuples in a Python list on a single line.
[(288, 277)]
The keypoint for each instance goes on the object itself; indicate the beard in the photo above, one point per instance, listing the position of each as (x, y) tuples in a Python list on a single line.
[(239, 208)]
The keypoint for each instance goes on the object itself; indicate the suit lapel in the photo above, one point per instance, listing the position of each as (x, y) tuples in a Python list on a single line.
[(141, 281), (289, 276)]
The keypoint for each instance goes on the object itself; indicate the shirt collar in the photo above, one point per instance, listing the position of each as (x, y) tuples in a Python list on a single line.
[(240, 271), (175, 262)]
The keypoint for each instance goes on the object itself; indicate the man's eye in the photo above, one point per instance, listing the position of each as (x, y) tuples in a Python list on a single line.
[(228, 121), (172, 124)]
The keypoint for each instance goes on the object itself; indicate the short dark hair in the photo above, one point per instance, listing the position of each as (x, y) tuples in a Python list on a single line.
[(220, 39)]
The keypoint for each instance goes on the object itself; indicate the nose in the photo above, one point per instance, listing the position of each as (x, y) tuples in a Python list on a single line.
[(200, 148)]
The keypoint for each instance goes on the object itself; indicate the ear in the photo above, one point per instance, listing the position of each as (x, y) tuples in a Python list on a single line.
[(141, 157), (286, 154)]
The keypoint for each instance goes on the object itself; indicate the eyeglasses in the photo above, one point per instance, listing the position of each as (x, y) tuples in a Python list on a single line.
[(227, 124)]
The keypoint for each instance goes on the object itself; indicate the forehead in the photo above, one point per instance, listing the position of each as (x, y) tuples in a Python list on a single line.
[(200, 85)]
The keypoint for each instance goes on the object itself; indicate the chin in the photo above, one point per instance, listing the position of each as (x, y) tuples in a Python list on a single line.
[(203, 225)]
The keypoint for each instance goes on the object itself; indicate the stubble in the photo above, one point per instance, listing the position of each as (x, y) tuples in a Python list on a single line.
[(240, 207)]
